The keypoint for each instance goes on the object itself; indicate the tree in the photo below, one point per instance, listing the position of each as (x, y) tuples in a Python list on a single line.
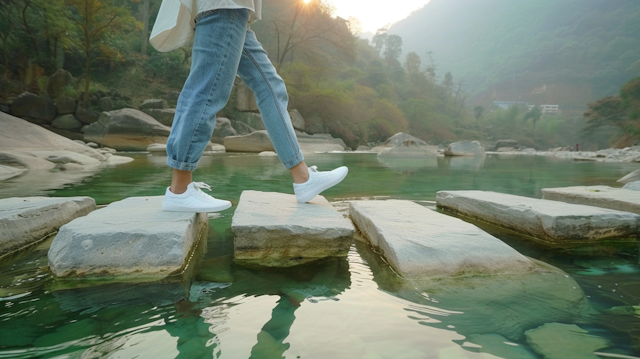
[(534, 115), (92, 19), (393, 48), (447, 83), (380, 38), (412, 63), (478, 111)]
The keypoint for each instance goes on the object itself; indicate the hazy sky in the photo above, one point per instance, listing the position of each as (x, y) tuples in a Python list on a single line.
[(374, 14)]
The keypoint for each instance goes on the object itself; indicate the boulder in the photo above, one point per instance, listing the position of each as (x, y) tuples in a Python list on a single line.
[(223, 129), (129, 238), (421, 243), (85, 114), (273, 229), (506, 149), (242, 128), (409, 149), (362, 148), (67, 122), (245, 99), (551, 221), (127, 130), (634, 186), (465, 148), (254, 142), (157, 147), (253, 120), (24, 160), (631, 177), (599, 196), (28, 220), (297, 120), (63, 157), (564, 341), (39, 109), (505, 144), (106, 104), (397, 139), (320, 142), (19, 135), (58, 82), (164, 116), (267, 154), (7, 172), (71, 166), (66, 105), (152, 103)]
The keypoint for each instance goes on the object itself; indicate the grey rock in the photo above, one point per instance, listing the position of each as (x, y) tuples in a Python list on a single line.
[(631, 177), (362, 148), (419, 242), (152, 103), (157, 147), (71, 167), (106, 104), (128, 238), (465, 148), (93, 144), (84, 129), (127, 130), (172, 97), (164, 116), (62, 157), (401, 137), (505, 143), (253, 120), (408, 157), (80, 142), (551, 221), (38, 108), (223, 129), (409, 149), (24, 160), (564, 341), (634, 186), (320, 143), (599, 196), (28, 220), (245, 99), (267, 154), (58, 81), (297, 120), (254, 142), (242, 128), (67, 122), (506, 149), (85, 114), (273, 229), (7, 172), (66, 105)]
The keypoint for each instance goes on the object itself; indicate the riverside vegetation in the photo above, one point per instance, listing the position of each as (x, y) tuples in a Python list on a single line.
[(358, 91)]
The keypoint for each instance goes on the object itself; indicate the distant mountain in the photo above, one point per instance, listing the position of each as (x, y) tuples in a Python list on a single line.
[(565, 52)]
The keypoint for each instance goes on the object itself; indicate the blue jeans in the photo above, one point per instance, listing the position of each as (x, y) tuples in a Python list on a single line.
[(223, 46)]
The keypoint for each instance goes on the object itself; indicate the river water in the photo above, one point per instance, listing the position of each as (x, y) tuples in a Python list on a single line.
[(352, 307)]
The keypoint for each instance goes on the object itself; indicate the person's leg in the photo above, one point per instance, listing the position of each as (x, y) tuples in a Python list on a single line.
[(217, 48), (270, 91)]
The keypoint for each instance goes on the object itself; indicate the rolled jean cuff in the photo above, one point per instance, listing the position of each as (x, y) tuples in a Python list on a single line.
[(183, 166), (293, 161)]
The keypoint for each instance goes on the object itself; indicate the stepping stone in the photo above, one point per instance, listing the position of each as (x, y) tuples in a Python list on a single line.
[(28, 220), (128, 238), (419, 242), (551, 221), (599, 196), (272, 229)]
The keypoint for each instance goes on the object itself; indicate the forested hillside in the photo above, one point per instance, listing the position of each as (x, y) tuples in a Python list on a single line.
[(565, 52)]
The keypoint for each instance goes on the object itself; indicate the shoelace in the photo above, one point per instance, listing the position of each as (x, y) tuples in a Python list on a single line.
[(199, 186), (314, 168)]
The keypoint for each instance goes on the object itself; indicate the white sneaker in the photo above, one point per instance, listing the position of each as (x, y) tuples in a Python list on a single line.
[(193, 200), (318, 182)]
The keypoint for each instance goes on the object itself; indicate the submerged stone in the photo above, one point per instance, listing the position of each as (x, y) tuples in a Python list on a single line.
[(128, 238), (564, 341), (28, 220), (419, 242), (599, 196), (272, 229), (547, 220)]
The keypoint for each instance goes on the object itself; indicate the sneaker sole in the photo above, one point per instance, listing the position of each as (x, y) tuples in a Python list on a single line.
[(322, 188), (198, 210)]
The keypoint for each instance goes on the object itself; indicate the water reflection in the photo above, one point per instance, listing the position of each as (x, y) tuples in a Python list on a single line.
[(465, 163)]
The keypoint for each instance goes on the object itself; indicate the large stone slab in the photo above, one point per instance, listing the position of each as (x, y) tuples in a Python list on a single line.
[(28, 220), (127, 130), (128, 238), (272, 229), (552, 221), (599, 196), (419, 242)]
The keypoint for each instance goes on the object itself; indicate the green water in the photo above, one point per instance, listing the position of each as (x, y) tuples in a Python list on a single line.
[(352, 307)]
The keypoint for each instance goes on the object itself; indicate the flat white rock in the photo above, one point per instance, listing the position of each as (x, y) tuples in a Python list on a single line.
[(419, 242), (599, 196), (547, 220), (128, 238), (272, 229), (7, 172), (28, 220)]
